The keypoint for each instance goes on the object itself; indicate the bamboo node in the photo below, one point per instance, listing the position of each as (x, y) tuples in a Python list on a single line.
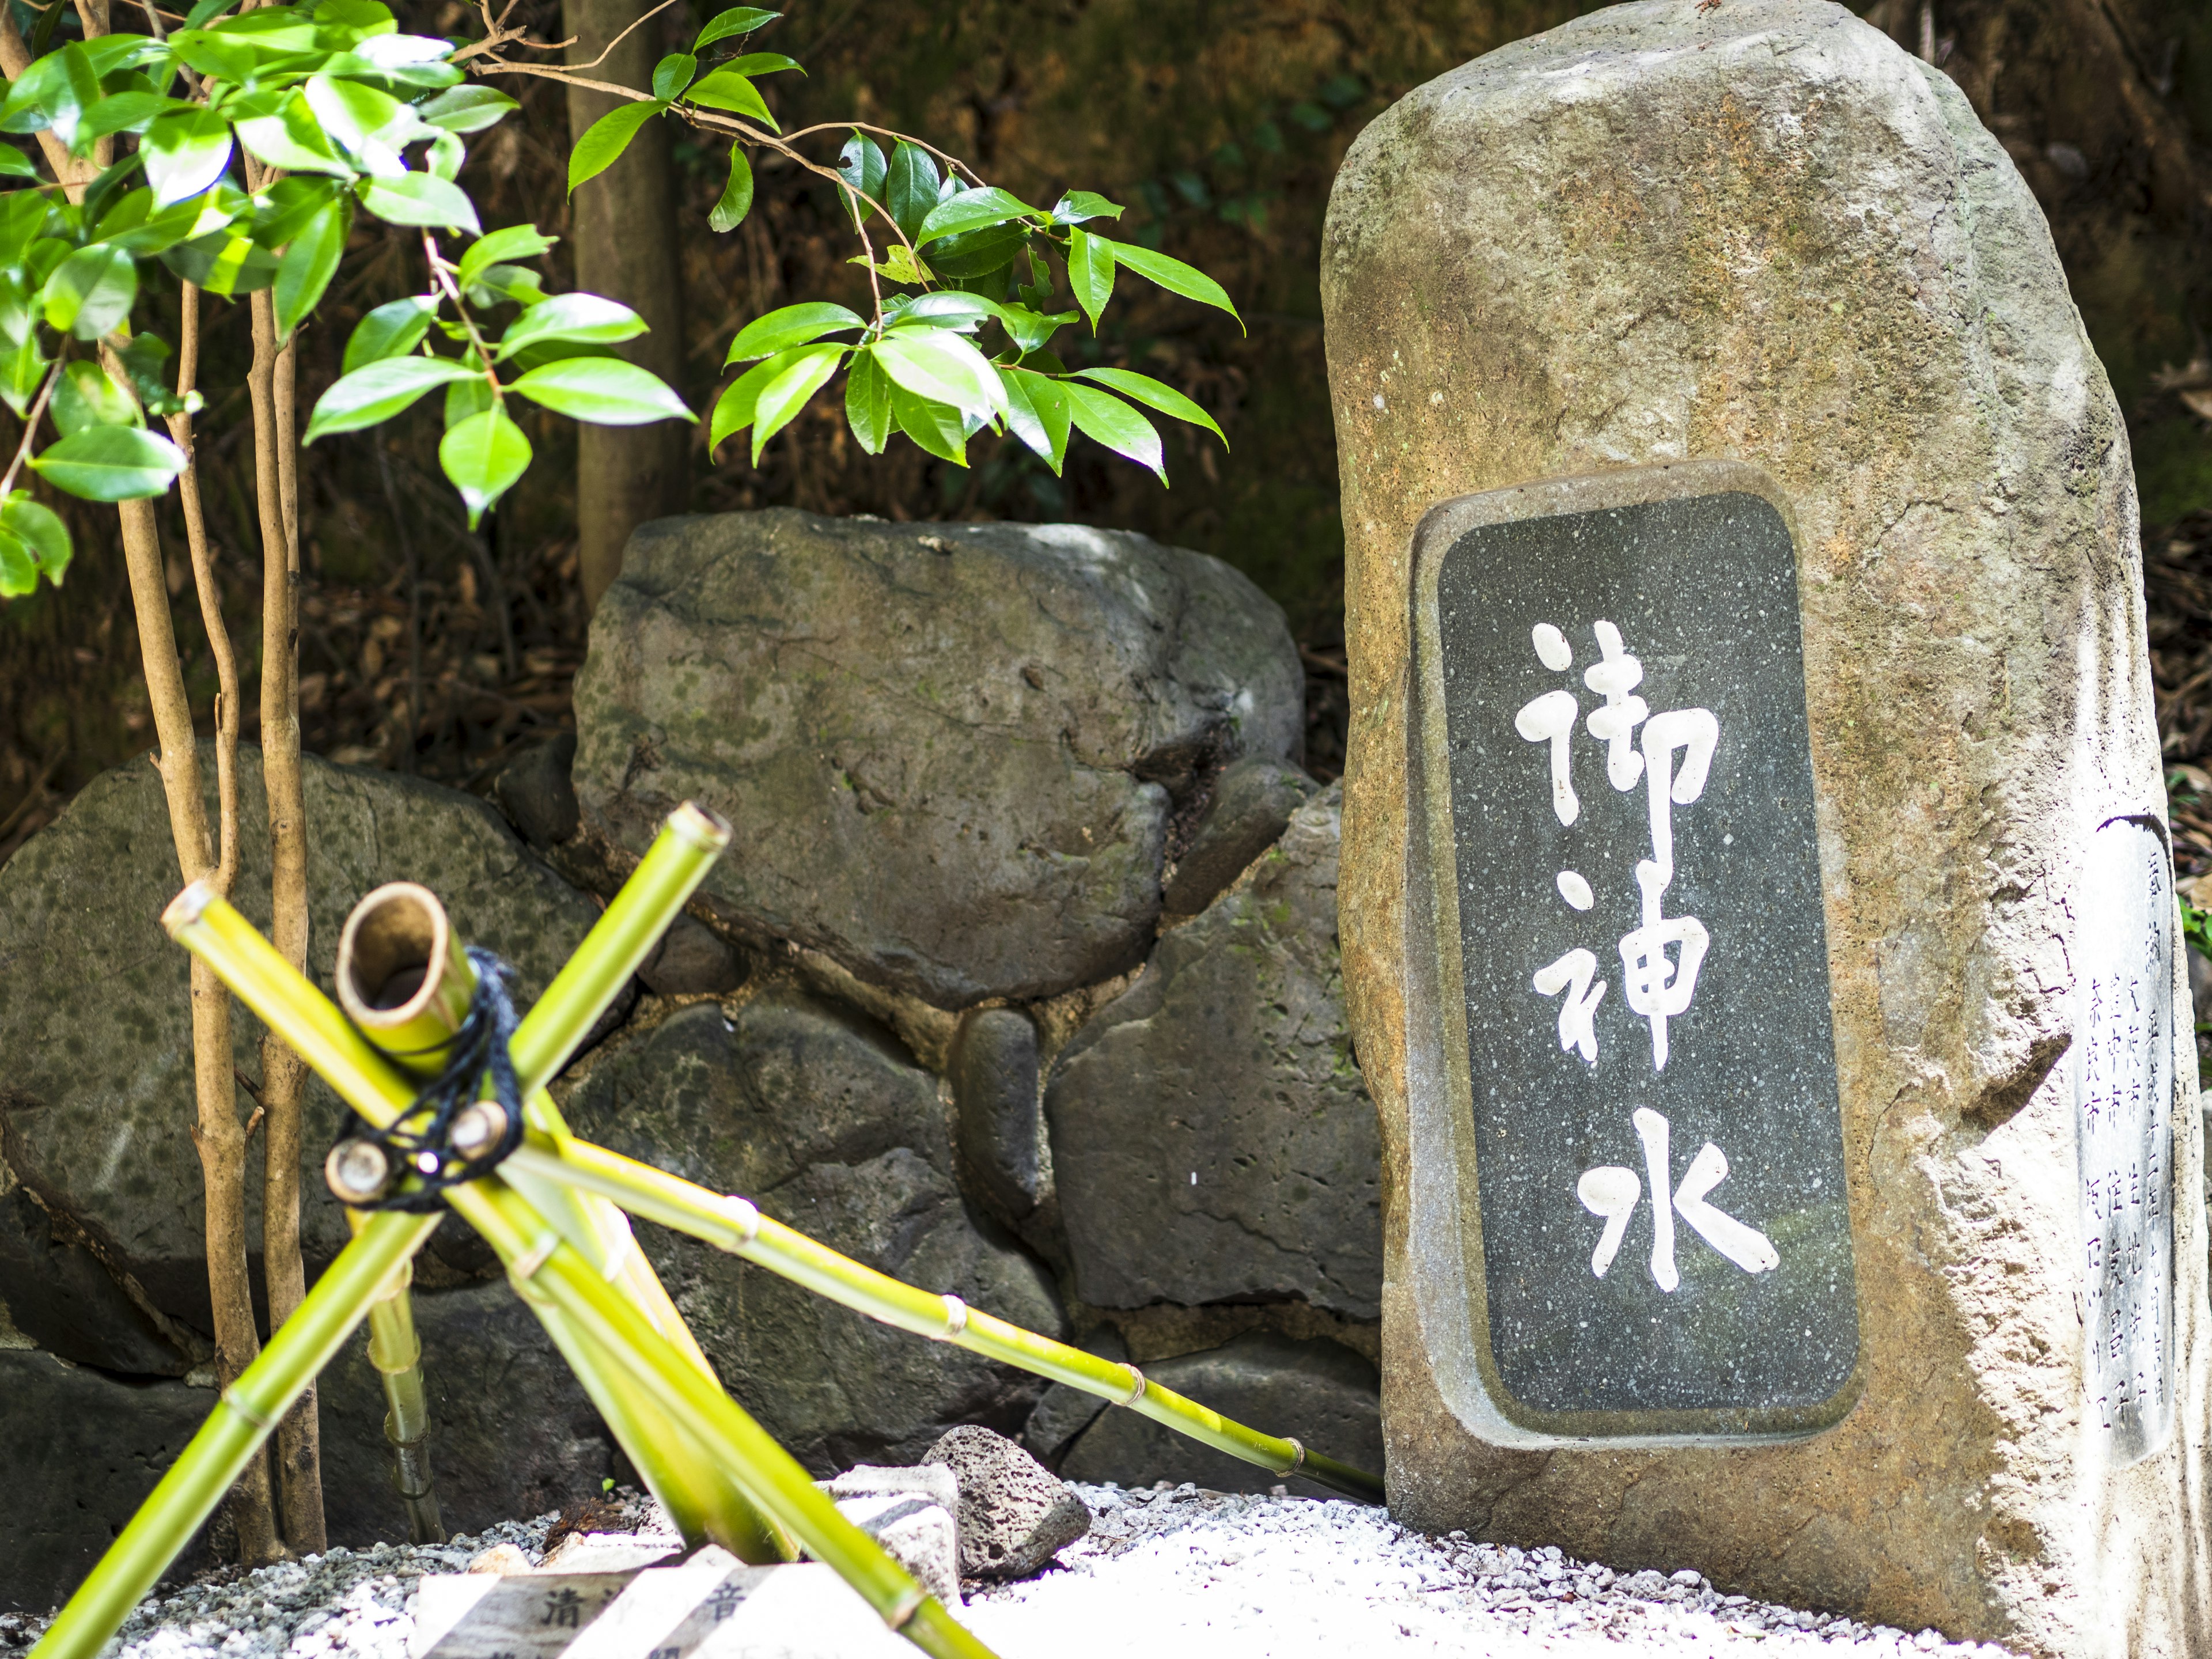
[(956, 1316), (744, 1217), (237, 1402), (1136, 1388), (188, 907), (1299, 1461), (532, 1258), (908, 1605)]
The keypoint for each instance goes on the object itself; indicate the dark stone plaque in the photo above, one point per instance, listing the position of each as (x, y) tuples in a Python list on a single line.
[(2123, 1126), (1640, 948)]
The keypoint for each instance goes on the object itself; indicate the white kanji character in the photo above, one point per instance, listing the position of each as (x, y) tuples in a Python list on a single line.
[(1572, 973), (1655, 988), (1697, 734), (1612, 1192), (1551, 718), (1613, 678)]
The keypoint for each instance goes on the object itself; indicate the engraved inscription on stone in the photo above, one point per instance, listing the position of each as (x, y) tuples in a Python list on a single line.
[(1642, 951), (2124, 1098)]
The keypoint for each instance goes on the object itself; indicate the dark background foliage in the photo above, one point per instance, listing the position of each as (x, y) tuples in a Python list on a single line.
[(1220, 123)]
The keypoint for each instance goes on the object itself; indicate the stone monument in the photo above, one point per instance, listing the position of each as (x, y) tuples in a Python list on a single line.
[(1759, 923)]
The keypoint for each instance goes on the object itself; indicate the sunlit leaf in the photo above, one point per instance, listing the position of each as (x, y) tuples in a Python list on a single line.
[(91, 291), (727, 89), (1115, 424), (972, 209), (515, 242), (466, 399), (126, 112), (378, 391), (392, 329), (370, 125), (939, 365), (85, 395), (287, 135), (110, 464), (1037, 413), (605, 390), (737, 196), (417, 199), (860, 165), (19, 568), (467, 109), (739, 20), (605, 139), (584, 317), (780, 401), (1079, 205), (483, 456), (1090, 272), (17, 164), (733, 409), (910, 185), (936, 427), (868, 402), (1172, 274), (673, 73), (792, 326), (309, 265), (1153, 395), (41, 530)]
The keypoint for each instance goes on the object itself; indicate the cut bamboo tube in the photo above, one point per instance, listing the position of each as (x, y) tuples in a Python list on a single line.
[(403, 980), (555, 1278), (395, 1350), (733, 1224)]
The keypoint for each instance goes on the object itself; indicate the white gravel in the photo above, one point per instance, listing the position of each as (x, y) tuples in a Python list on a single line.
[(1167, 1574)]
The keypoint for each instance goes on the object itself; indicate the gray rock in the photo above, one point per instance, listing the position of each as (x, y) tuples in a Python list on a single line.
[(822, 1120), (534, 791), (95, 1050), (1228, 1062), (1065, 1412), (79, 1453), (60, 1296), (914, 1514), (950, 751), (993, 1074), (1318, 1393), (692, 960), (1015, 1514), (512, 1431), (1251, 805)]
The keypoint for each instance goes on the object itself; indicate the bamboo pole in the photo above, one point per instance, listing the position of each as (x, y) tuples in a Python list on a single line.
[(554, 1276), (733, 1224)]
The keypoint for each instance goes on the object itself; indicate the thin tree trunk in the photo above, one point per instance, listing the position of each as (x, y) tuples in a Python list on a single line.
[(623, 229), (284, 1076), (217, 1134)]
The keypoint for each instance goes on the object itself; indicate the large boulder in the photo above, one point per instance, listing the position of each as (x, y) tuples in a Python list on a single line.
[(95, 1031), (953, 753), (80, 1453), (1211, 1140), (1317, 1391), (823, 1121)]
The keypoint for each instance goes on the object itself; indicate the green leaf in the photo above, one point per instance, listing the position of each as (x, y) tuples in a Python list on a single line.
[(727, 89), (1171, 274), (309, 265), (584, 317), (733, 409), (22, 371), (288, 207), (53, 94), (225, 263), (380, 390), (972, 209), (605, 139), (41, 530), (761, 63), (984, 257), (936, 427), (126, 112), (739, 20), (19, 568), (673, 73), (792, 325), (392, 329), (515, 242), (1115, 425), (85, 395), (467, 109), (899, 266), (1090, 272), (868, 402), (142, 361), (1037, 413), (1079, 205), (91, 291), (1149, 392), (15, 164), (1030, 330), (465, 399), (941, 310), (483, 456), (446, 155), (186, 153), (417, 199), (910, 185), (942, 367), (861, 164), (287, 135), (370, 125), (110, 464), (498, 284), (737, 196), (779, 400), (605, 390)]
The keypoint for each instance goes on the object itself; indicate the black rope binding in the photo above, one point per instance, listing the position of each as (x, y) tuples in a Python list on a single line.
[(419, 1142)]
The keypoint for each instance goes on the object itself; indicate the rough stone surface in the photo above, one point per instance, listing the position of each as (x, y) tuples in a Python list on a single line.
[(951, 752), (1228, 1060), (536, 794), (60, 1296), (79, 1451), (993, 1074), (914, 1514), (1761, 232), (95, 1048), (823, 1121), (1015, 1514), (512, 1431), (692, 960), (1250, 807), (1317, 1390)]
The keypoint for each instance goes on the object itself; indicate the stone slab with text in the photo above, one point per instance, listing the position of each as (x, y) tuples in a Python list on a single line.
[(1759, 928)]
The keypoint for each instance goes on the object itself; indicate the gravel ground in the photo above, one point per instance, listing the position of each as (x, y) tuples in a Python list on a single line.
[(1173, 1573)]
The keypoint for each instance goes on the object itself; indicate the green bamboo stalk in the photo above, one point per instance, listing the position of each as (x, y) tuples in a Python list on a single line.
[(556, 1278), (733, 1224), (184, 1498), (395, 1350)]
